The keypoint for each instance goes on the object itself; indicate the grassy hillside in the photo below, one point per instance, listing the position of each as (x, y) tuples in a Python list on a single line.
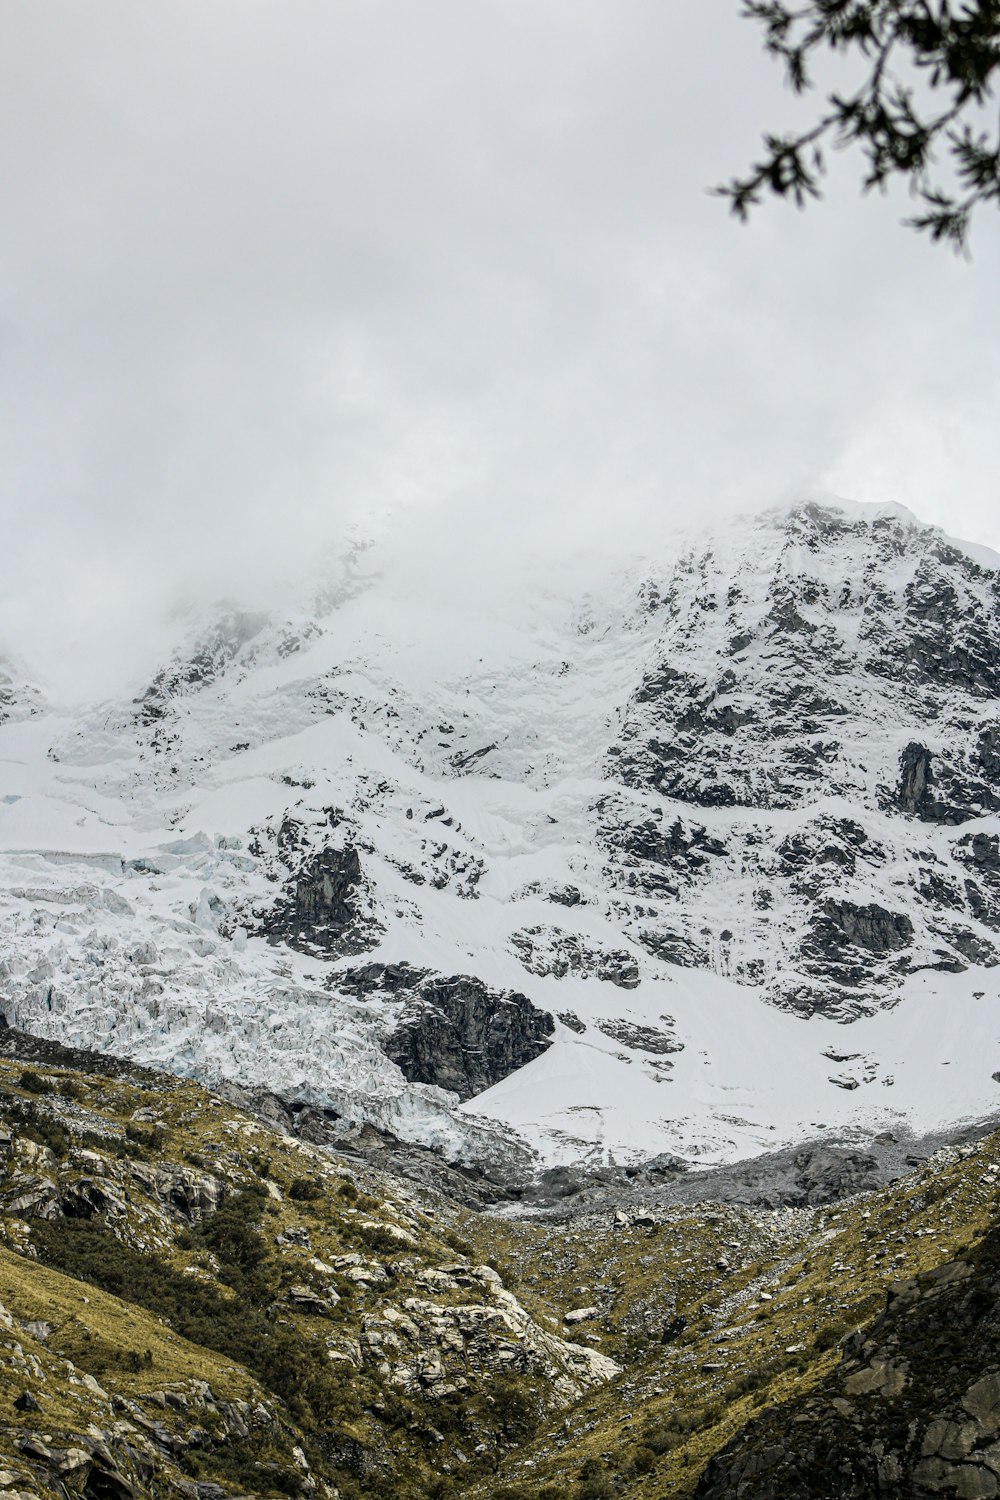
[(195, 1304), (769, 1300)]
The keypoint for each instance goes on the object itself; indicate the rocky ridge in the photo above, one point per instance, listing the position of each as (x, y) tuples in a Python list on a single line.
[(201, 1304), (753, 785), (843, 669), (195, 1305)]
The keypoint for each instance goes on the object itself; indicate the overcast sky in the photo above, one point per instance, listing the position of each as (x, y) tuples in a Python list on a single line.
[(268, 266)]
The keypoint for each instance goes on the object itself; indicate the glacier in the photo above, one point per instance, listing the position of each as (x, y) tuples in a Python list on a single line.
[(732, 821)]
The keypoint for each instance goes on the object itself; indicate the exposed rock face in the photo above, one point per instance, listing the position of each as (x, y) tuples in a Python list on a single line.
[(434, 1346), (652, 851), (461, 1035), (324, 907), (456, 1033), (915, 782), (94, 1187), (658, 1040), (191, 1192), (951, 789), (809, 667), (548, 950), (913, 1409), (776, 761), (842, 933), (673, 947), (373, 978), (825, 1173), (209, 657)]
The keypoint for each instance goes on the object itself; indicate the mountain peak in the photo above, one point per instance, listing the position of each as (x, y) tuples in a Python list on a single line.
[(553, 886)]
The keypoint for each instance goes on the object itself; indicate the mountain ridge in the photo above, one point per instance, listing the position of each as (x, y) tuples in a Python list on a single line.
[(730, 829)]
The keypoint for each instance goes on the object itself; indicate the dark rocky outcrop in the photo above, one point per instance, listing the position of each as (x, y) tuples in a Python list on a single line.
[(984, 908), (842, 932), (324, 890), (971, 946), (988, 753), (320, 909), (687, 739), (824, 848), (797, 853), (461, 1035), (653, 854), (550, 950), (661, 1042), (950, 640), (869, 927), (454, 1032), (572, 1020), (916, 778), (673, 947), (937, 791), (912, 1410), (982, 852), (376, 978), (825, 1173), (567, 895), (208, 659)]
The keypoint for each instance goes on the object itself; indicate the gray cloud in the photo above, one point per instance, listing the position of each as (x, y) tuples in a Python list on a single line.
[(267, 267)]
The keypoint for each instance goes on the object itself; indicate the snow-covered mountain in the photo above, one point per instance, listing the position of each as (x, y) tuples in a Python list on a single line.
[(703, 864)]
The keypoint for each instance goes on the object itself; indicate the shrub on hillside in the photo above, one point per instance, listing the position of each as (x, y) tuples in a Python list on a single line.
[(241, 1328), (34, 1083)]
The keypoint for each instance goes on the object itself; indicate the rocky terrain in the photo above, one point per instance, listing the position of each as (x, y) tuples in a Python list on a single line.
[(855, 688), (702, 865), (202, 1304), (913, 1408), (196, 1305)]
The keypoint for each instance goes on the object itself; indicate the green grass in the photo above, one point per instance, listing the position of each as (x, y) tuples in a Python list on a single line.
[(168, 1301)]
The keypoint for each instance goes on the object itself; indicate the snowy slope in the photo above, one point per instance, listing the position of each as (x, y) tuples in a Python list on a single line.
[(716, 853)]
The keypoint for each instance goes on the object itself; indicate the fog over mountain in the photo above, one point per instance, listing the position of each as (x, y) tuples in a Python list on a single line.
[(700, 861), (271, 273), (499, 771)]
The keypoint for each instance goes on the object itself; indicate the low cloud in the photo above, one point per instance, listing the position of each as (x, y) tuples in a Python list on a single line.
[(273, 272)]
